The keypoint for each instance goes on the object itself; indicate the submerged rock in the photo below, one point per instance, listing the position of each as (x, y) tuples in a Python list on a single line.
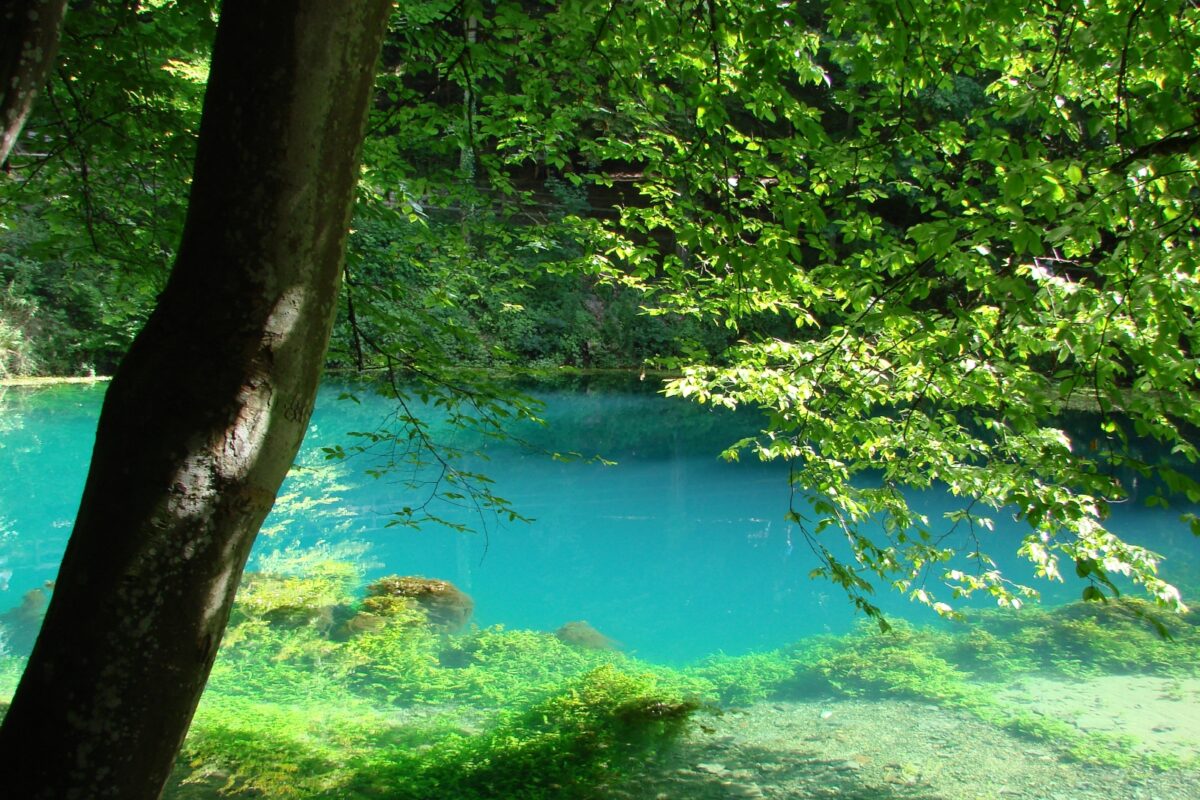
[(445, 605), (581, 634), (348, 622), (22, 623)]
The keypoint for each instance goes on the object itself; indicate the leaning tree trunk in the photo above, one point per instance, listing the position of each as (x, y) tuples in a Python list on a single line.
[(28, 41), (206, 412)]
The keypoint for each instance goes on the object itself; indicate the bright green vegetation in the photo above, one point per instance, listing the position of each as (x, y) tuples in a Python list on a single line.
[(585, 731), (967, 665), (404, 708), (298, 707)]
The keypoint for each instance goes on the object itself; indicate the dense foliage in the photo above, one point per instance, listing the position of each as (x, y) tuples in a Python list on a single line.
[(92, 206)]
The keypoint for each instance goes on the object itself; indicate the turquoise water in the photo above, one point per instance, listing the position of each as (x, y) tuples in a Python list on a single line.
[(670, 551)]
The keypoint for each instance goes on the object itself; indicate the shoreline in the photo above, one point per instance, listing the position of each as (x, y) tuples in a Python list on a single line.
[(51, 381)]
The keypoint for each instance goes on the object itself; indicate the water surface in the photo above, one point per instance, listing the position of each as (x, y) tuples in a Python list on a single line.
[(671, 551)]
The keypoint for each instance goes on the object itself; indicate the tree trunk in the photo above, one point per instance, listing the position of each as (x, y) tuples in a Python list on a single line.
[(29, 32), (206, 412)]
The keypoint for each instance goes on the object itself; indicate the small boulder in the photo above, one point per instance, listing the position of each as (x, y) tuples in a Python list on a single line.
[(581, 634), (348, 623), (445, 605), (22, 623)]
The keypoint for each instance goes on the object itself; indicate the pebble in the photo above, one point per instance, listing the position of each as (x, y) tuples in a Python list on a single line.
[(713, 769)]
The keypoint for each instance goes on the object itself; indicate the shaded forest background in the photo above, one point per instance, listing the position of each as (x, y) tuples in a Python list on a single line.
[(463, 258)]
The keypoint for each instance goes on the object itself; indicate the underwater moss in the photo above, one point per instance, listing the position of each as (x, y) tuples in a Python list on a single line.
[(301, 750), (965, 667), (301, 591), (1125, 635), (575, 743), (739, 680), (403, 709), (906, 661)]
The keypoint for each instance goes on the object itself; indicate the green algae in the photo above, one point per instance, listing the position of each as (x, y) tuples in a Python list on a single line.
[(406, 710)]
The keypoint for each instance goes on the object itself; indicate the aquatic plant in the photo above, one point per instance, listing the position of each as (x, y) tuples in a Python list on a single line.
[(312, 496), (490, 668), (963, 668), (401, 709), (1126, 635), (405, 710), (295, 586), (906, 661), (397, 663), (575, 743), (1089, 748), (739, 680), (1076, 640), (305, 749), (572, 743), (278, 665), (288, 600)]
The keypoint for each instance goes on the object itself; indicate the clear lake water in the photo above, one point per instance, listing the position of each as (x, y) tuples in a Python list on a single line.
[(671, 551)]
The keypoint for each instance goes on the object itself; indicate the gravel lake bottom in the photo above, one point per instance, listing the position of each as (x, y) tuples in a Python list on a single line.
[(885, 749)]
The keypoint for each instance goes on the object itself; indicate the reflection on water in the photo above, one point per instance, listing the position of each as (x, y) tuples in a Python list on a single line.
[(656, 601)]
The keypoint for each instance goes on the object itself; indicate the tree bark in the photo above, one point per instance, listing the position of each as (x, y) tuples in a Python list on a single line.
[(206, 412), (29, 31)]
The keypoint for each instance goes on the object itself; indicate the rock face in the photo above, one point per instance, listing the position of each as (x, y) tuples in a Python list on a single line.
[(445, 605), (581, 634)]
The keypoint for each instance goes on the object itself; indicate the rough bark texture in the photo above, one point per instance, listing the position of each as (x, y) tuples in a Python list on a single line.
[(207, 411), (29, 31)]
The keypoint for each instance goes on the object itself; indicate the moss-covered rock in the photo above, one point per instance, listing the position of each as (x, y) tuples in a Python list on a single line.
[(580, 633), (444, 604)]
